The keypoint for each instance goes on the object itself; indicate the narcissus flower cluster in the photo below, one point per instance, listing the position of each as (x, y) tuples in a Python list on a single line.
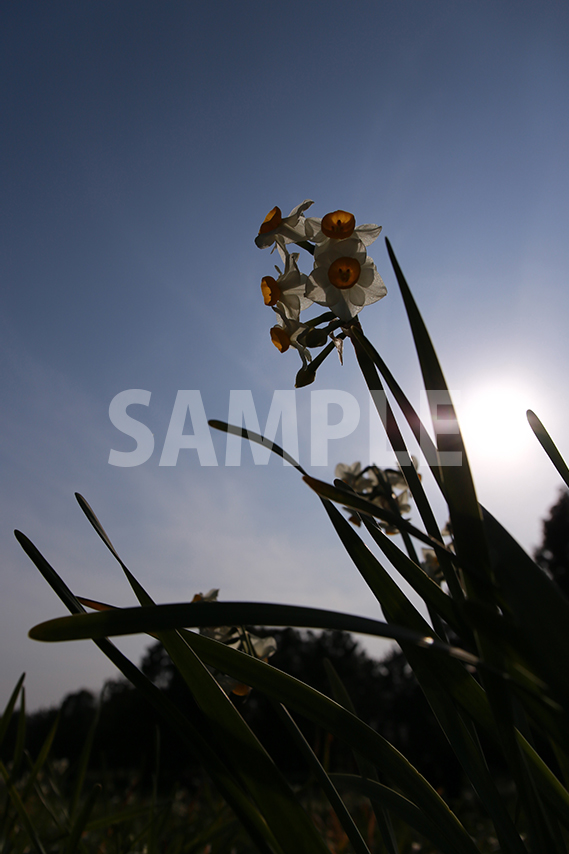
[(387, 488), (343, 279)]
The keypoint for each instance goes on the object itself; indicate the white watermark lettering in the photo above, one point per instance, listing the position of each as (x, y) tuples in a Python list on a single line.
[(435, 408), (438, 404), (242, 412), (380, 451), (200, 439), (321, 431), (131, 427)]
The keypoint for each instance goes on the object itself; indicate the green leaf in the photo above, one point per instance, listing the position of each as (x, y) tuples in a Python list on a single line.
[(416, 576), (256, 437), (324, 780), (249, 760), (192, 734), (81, 820), (21, 810), (407, 812), (153, 619), (548, 445), (538, 607), (366, 768), (335, 719), (417, 428), (7, 715), (362, 505), (459, 489), (369, 360), (322, 710)]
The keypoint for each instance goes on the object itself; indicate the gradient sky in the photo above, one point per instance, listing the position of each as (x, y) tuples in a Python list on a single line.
[(143, 143)]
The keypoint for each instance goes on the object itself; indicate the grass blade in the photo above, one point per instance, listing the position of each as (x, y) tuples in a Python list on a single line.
[(7, 715), (21, 810), (404, 808), (325, 782), (153, 619), (362, 505), (81, 820), (548, 445), (459, 489), (191, 732), (251, 763), (256, 437)]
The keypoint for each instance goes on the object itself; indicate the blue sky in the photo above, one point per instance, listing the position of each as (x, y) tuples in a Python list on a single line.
[(143, 143)]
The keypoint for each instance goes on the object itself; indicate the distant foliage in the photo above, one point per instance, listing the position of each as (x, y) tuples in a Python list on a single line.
[(553, 554)]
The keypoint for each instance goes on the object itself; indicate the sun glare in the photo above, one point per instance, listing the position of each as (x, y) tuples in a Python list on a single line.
[(493, 421)]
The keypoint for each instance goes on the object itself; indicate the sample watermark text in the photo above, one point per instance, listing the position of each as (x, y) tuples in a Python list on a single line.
[(188, 428)]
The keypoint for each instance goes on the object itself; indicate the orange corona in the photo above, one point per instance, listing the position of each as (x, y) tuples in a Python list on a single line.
[(343, 273), (270, 289), (338, 225), (280, 339), (271, 221)]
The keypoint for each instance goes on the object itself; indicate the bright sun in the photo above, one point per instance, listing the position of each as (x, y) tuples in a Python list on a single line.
[(493, 421)]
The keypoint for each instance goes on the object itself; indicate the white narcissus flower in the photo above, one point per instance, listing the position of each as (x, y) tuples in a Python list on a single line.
[(339, 225), (287, 291), (278, 229), (286, 334), (344, 279), (352, 476), (377, 485)]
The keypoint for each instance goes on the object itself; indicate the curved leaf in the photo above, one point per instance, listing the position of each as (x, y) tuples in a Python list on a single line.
[(548, 445), (151, 619)]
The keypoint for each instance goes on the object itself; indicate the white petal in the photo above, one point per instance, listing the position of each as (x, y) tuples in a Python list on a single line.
[(264, 647), (342, 309), (313, 230), (376, 290), (357, 295), (298, 210), (326, 253), (368, 233), (291, 305)]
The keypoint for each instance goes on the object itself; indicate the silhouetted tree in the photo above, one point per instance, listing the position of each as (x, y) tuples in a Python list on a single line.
[(553, 554)]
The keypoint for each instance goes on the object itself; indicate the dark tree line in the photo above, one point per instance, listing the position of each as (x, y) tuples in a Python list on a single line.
[(384, 693)]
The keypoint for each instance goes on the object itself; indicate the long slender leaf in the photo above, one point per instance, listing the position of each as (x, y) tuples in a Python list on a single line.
[(252, 764), (470, 543), (418, 429), (548, 445), (362, 505), (416, 576), (459, 488), (538, 606), (367, 769), (81, 820), (397, 442), (337, 720), (315, 706), (157, 618), (403, 807), (191, 733), (22, 812), (256, 437), (7, 714), (325, 782)]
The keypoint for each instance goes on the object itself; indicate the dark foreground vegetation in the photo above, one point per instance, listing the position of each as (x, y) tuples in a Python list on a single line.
[(104, 773)]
